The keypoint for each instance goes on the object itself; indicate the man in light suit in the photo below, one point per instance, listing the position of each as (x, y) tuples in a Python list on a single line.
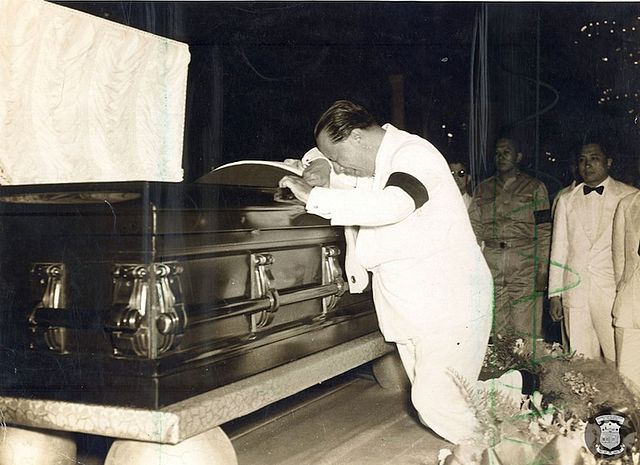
[(581, 281), (626, 266), (432, 288)]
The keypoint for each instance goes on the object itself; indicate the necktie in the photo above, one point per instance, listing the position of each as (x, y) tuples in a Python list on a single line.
[(588, 190)]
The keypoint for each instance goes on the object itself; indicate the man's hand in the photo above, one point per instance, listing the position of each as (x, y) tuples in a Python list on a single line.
[(541, 281), (555, 308), (317, 173), (298, 186)]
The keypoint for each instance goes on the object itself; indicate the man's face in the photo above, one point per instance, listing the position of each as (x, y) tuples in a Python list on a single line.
[(460, 176), (348, 156), (593, 165), (507, 158)]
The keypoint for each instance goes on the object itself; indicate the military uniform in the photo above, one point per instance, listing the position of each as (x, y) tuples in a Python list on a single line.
[(512, 219)]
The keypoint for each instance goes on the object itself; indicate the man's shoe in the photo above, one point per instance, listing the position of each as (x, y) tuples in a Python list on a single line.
[(530, 382)]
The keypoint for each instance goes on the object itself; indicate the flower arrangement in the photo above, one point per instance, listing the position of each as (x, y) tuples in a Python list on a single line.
[(584, 386), (549, 428)]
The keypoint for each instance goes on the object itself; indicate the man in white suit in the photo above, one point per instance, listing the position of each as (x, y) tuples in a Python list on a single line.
[(626, 266), (432, 288), (581, 281)]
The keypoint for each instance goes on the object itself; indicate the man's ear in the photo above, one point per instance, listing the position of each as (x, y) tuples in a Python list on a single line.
[(356, 134), (609, 163), (519, 157)]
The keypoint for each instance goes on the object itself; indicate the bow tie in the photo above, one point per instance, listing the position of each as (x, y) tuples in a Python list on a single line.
[(587, 190)]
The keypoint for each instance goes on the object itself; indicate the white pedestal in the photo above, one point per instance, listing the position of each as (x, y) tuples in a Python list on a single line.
[(31, 446), (209, 448)]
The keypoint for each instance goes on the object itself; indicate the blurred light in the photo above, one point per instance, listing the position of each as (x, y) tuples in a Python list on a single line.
[(445, 59), (605, 59), (444, 126), (583, 28), (449, 135)]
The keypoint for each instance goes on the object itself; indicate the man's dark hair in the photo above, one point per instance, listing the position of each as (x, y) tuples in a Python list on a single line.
[(458, 159), (605, 147), (513, 140), (341, 118)]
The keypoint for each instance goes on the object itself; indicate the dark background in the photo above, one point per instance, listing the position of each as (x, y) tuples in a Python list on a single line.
[(261, 74)]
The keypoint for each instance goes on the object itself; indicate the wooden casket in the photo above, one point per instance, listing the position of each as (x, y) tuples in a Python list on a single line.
[(144, 294)]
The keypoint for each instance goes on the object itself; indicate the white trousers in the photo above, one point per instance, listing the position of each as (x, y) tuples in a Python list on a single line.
[(590, 327), (431, 361), (628, 354)]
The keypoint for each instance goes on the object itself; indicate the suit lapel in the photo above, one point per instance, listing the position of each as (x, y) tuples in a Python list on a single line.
[(611, 197), (580, 210), (632, 226)]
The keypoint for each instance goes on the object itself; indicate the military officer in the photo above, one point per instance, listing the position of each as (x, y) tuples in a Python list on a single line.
[(511, 218)]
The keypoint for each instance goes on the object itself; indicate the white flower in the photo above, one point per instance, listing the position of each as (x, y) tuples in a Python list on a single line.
[(443, 454)]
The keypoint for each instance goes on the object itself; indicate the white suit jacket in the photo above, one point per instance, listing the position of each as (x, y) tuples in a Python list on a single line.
[(626, 262), (575, 258), (357, 275), (427, 267)]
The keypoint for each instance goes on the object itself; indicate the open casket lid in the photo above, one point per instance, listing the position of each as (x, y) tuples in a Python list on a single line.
[(234, 185), (254, 173)]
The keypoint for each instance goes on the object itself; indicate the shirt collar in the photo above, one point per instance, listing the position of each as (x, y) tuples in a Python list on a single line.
[(387, 142), (604, 183)]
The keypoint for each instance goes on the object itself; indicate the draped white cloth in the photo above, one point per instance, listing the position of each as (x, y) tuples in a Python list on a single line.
[(84, 99)]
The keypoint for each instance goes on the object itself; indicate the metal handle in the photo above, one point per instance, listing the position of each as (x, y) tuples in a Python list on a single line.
[(263, 287)]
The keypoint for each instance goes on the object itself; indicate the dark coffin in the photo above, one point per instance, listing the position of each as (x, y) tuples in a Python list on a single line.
[(144, 294)]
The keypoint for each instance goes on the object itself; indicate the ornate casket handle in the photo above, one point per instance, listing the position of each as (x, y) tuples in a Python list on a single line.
[(263, 285), (147, 317), (49, 281), (331, 274), (52, 277)]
